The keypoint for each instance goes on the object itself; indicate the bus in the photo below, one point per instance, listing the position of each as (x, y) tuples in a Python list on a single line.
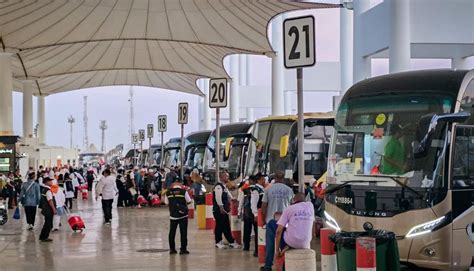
[(402, 160), (154, 155), (194, 148), (172, 152), (275, 147), (209, 169), (235, 155)]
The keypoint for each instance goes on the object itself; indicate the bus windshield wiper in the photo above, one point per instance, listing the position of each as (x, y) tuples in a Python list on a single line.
[(346, 183), (406, 186)]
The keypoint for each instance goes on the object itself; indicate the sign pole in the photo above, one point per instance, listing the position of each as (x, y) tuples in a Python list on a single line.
[(182, 153), (299, 90), (162, 149), (218, 143)]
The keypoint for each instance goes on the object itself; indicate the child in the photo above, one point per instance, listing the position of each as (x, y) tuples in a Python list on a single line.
[(60, 199)]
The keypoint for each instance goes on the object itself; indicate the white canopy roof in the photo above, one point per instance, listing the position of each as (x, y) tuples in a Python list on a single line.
[(70, 44)]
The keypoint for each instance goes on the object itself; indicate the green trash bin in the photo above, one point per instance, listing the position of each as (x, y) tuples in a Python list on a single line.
[(388, 258)]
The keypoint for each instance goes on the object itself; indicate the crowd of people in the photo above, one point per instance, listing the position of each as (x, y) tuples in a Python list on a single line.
[(288, 216)]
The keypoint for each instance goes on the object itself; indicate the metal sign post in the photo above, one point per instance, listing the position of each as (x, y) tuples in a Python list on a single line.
[(300, 51), (162, 127), (134, 143), (182, 119), (218, 100), (141, 138), (149, 131)]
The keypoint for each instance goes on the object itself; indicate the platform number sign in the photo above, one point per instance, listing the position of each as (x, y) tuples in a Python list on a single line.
[(299, 44), (149, 130), (141, 134), (135, 139), (162, 123), (218, 93), (183, 113)]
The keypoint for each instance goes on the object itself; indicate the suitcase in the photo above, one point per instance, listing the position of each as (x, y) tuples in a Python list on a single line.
[(76, 223), (142, 201), (155, 201)]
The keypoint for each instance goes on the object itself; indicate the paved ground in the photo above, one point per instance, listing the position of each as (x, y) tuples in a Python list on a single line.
[(102, 247)]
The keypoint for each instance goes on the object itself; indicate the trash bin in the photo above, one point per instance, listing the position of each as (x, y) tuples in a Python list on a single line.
[(388, 258)]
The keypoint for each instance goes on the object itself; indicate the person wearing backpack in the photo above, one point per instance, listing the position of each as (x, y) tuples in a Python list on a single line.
[(68, 190), (30, 196), (252, 201)]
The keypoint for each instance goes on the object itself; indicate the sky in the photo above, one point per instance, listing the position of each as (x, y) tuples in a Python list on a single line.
[(112, 103)]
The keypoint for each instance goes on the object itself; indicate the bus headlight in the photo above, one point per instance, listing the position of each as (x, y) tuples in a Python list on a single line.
[(331, 221), (425, 227)]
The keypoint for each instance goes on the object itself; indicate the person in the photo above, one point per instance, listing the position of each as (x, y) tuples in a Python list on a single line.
[(220, 209), (275, 199), (107, 188), (90, 177), (120, 183), (131, 190), (77, 180), (393, 160), (60, 201), (177, 199), (170, 177), (295, 226), (199, 190), (68, 190), (12, 195), (249, 205), (48, 209), (30, 196)]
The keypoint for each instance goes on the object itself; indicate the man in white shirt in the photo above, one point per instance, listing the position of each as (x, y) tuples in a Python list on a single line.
[(107, 188), (221, 208)]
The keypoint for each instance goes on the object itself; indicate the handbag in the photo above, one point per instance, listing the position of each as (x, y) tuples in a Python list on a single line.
[(61, 211), (16, 214), (132, 191)]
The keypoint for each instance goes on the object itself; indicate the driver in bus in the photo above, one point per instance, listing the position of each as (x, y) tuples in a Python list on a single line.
[(393, 162)]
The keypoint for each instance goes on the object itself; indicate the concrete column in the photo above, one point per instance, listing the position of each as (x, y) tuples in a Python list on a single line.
[(234, 89), (460, 63), (278, 82), (27, 108), (361, 64), (207, 110), (346, 49), (42, 120), (300, 259), (6, 95), (250, 114), (288, 102), (399, 43), (243, 80)]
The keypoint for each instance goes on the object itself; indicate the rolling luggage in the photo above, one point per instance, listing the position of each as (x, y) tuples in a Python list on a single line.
[(76, 223)]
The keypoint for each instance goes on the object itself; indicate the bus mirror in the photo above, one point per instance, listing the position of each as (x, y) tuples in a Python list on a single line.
[(284, 140), (421, 148), (228, 143)]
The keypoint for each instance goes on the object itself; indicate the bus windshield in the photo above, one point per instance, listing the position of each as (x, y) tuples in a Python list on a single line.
[(171, 158), (376, 144), (196, 156)]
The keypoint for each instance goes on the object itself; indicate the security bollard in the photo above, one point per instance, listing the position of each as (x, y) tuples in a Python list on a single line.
[(328, 252), (201, 216), (300, 259), (366, 254), (235, 221), (191, 210), (261, 237), (210, 223)]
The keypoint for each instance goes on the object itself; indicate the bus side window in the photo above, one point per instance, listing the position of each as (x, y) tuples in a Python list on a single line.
[(463, 158), (467, 102)]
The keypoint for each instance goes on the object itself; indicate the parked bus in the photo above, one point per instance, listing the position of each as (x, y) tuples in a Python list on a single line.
[(209, 170), (154, 155), (171, 156), (194, 148), (401, 160), (275, 147), (235, 155)]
